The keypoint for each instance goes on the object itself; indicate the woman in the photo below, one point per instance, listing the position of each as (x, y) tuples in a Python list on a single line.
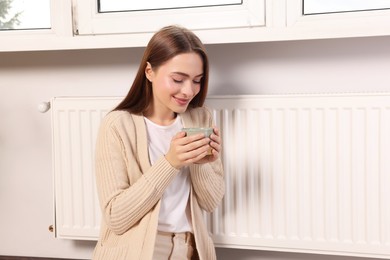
[(154, 181)]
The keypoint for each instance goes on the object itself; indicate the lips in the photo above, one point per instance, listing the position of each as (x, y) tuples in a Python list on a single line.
[(182, 101)]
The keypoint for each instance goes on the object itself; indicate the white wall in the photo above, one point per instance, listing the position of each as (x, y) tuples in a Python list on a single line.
[(28, 78)]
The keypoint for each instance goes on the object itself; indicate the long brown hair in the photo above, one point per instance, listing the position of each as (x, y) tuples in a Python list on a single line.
[(164, 45)]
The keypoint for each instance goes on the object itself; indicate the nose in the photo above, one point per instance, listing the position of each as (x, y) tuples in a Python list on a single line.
[(190, 89)]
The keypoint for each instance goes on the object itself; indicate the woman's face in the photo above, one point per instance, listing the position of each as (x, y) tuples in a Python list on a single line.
[(175, 83)]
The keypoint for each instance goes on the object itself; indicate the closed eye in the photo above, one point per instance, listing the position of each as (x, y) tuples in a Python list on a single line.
[(197, 80), (180, 77), (177, 80)]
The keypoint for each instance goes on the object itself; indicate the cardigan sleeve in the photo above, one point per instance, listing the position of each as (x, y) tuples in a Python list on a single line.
[(125, 193), (208, 183)]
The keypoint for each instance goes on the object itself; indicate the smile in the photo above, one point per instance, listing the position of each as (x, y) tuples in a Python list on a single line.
[(182, 101)]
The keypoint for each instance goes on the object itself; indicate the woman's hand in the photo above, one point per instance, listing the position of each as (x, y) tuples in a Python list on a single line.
[(216, 144), (185, 150)]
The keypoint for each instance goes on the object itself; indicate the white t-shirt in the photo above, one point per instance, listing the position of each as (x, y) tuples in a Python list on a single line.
[(174, 212)]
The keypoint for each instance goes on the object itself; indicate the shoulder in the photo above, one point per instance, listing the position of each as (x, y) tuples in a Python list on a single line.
[(114, 118), (198, 116), (120, 121)]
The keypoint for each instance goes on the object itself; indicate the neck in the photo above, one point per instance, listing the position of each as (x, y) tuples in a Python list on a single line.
[(160, 120)]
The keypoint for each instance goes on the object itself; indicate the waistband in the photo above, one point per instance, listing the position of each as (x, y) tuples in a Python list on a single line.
[(188, 237)]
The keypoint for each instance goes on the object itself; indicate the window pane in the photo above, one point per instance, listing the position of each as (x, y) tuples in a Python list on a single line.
[(24, 14), (333, 6), (131, 5)]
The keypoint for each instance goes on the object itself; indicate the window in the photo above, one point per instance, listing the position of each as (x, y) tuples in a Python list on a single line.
[(24, 14), (313, 19), (103, 17), (126, 5), (333, 6)]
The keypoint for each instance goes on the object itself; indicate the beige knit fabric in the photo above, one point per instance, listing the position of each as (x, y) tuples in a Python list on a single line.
[(130, 189)]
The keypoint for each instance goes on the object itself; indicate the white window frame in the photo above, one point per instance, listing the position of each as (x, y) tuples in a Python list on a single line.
[(75, 24), (335, 25), (87, 20), (59, 22), (37, 39)]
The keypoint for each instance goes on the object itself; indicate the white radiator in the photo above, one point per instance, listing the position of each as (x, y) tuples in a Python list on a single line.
[(304, 173)]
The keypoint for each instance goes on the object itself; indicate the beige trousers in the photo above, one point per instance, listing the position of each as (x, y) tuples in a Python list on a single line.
[(173, 246)]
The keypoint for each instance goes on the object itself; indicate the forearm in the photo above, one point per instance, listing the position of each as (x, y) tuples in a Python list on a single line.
[(207, 180), (125, 205)]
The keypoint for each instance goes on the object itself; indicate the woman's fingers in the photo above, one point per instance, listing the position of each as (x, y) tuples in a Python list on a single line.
[(187, 149)]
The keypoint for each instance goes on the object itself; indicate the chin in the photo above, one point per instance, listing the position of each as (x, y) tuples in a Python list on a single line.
[(180, 110)]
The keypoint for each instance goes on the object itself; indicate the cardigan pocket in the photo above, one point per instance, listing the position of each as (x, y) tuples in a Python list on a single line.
[(119, 247)]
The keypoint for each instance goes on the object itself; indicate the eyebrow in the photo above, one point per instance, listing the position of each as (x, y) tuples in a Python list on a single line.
[(186, 75)]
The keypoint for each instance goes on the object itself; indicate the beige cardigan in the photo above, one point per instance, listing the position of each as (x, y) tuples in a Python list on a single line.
[(130, 189)]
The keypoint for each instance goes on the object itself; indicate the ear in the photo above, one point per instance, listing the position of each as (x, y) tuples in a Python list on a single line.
[(149, 72)]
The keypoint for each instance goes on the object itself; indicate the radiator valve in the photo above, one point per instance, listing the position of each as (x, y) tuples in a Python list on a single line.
[(44, 107)]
